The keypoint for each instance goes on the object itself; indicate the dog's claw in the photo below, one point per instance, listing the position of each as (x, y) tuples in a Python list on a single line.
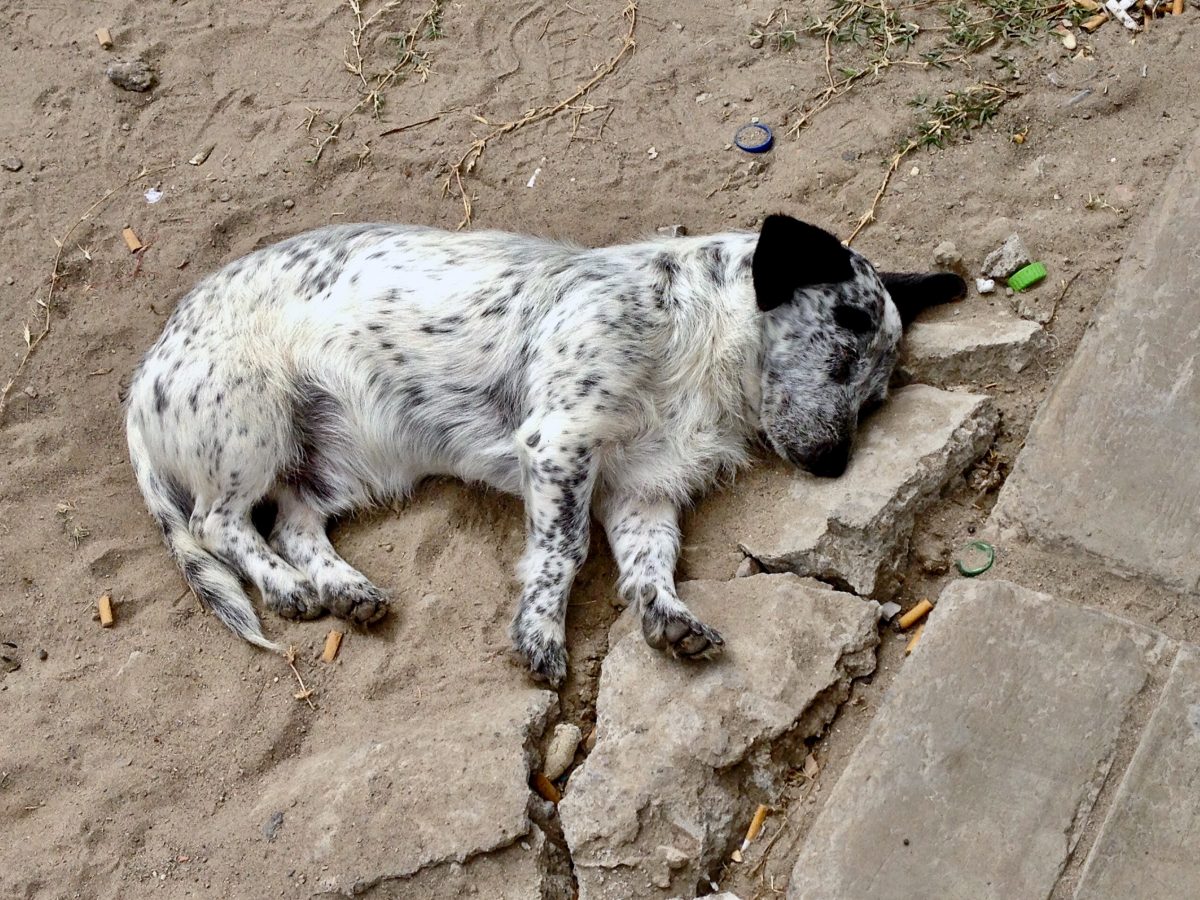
[(684, 636)]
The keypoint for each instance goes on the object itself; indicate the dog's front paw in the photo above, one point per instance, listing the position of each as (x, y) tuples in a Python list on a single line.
[(361, 603), (545, 654), (682, 633)]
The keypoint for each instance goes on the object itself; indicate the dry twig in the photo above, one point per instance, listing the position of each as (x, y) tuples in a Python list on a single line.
[(47, 303), (305, 693), (466, 163)]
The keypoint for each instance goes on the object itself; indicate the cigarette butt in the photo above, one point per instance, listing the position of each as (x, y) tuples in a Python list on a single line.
[(104, 37), (1089, 5), (333, 641), (131, 240), (756, 824), (915, 615), (912, 641), (1177, 8), (589, 742), (1090, 25), (545, 787), (104, 604)]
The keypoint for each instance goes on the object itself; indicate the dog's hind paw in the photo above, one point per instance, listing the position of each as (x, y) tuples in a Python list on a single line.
[(299, 604), (364, 603), (684, 635)]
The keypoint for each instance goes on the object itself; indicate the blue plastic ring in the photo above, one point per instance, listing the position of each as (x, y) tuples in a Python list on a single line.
[(754, 138)]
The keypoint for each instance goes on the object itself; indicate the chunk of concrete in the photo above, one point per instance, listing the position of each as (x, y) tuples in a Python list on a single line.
[(853, 530), (1109, 464), (975, 350), (403, 808), (1007, 258), (1147, 847), (977, 774), (684, 752)]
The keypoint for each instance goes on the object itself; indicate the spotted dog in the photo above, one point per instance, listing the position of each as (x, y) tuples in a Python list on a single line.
[(337, 369)]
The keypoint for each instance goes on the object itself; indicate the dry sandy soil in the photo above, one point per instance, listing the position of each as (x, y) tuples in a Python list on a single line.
[(123, 749)]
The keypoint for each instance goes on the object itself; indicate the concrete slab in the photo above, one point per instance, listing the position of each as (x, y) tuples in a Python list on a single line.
[(853, 530), (1109, 465), (684, 752), (1148, 845), (969, 350), (978, 771)]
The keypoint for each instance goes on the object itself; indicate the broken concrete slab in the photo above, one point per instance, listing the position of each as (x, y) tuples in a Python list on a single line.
[(401, 809), (1109, 464), (684, 752), (1147, 846), (854, 530), (977, 774), (975, 350)]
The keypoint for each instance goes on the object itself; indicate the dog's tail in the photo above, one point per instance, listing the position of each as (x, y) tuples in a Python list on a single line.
[(214, 584)]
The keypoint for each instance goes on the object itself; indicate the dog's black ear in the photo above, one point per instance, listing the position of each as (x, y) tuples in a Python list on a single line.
[(792, 254), (913, 291)]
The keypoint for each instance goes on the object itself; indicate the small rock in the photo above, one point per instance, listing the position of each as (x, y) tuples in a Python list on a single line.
[(288, 204), (947, 257), (985, 285), (224, 197), (29, 392), (9, 280), (561, 752), (672, 230), (652, 153), (271, 827), (131, 75), (42, 655), (703, 98), (756, 42), (13, 164), (748, 566), (1007, 258), (888, 610)]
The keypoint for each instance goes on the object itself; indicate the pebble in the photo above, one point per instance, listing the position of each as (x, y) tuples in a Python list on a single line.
[(561, 752), (672, 230), (13, 164), (288, 204), (42, 655), (947, 257), (748, 566), (8, 279), (1007, 258), (130, 75), (224, 197), (756, 42)]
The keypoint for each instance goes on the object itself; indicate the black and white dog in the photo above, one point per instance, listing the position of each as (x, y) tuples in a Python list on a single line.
[(337, 369)]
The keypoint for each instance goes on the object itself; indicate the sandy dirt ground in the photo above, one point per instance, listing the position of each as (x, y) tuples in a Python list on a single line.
[(122, 749)]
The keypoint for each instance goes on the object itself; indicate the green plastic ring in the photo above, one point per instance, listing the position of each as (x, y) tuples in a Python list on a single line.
[(983, 547), (1025, 278)]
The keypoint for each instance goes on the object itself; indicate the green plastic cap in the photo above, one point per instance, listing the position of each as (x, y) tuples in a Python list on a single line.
[(1025, 278)]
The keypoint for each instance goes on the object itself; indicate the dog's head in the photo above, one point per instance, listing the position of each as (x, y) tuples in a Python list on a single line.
[(831, 329)]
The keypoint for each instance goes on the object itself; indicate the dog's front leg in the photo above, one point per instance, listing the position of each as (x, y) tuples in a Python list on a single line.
[(559, 473), (644, 537)]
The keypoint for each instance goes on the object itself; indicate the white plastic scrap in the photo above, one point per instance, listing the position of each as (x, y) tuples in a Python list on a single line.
[(1119, 8), (985, 285), (153, 195), (533, 178)]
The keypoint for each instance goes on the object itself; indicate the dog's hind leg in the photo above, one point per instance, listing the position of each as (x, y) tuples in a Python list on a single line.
[(225, 529), (299, 536), (559, 473), (644, 536)]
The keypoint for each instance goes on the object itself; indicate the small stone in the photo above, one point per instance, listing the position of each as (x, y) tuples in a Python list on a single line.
[(42, 655), (288, 204), (1069, 41), (1007, 258), (756, 42), (29, 392), (13, 164), (271, 827), (9, 280), (224, 197), (561, 752), (703, 98), (131, 75), (947, 257), (748, 566), (888, 610), (652, 153), (985, 285), (672, 230)]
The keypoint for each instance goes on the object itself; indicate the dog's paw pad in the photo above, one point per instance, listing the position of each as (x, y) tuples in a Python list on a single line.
[(686, 637), (364, 604), (299, 604)]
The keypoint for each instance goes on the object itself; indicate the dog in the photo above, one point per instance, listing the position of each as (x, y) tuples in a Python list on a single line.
[(337, 369)]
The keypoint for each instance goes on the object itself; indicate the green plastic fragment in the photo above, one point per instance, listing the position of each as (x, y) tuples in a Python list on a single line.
[(1025, 278)]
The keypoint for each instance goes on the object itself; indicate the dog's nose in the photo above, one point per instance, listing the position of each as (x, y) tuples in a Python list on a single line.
[(830, 462)]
